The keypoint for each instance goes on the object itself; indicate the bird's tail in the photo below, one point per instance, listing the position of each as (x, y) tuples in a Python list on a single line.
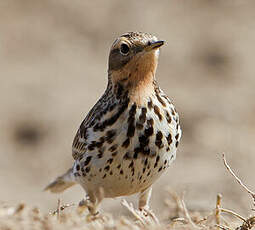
[(62, 182)]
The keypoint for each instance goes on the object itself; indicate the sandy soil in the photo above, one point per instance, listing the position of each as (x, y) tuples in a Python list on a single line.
[(53, 61)]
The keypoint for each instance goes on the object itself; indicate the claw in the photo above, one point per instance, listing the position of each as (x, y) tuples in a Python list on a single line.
[(144, 215)]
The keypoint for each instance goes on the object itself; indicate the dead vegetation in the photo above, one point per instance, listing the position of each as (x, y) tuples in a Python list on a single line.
[(67, 216)]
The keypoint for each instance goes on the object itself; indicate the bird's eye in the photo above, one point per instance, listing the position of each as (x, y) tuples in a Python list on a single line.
[(124, 49)]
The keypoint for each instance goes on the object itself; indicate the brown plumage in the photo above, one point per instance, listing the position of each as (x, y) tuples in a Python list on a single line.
[(129, 138)]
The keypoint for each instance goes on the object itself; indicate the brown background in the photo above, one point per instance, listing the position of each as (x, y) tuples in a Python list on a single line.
[(53, 68)]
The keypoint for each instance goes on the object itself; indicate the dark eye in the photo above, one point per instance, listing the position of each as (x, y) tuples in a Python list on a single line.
[(124, 49)]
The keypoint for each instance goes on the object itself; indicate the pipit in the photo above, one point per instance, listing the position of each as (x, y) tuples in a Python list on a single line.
[(130, 136)]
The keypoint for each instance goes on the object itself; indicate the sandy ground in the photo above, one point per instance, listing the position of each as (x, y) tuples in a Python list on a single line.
[(53, 61)]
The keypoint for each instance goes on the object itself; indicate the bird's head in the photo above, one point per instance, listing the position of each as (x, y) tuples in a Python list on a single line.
[(133, 59)]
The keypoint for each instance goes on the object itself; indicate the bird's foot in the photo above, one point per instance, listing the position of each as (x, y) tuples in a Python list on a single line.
[(148, 213), (144, 215), (85, 204)]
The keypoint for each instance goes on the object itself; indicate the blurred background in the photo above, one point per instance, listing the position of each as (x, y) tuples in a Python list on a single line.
[(53, 62)]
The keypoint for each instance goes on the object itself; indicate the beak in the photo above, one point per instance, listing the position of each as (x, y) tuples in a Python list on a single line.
[(154, 45)]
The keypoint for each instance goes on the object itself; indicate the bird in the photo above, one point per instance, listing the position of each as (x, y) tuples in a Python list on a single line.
[(130, 137)]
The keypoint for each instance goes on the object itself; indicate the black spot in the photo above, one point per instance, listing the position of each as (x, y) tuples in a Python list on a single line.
[(142, 117), (131, 165), (104, 176), (165, 162), (127, 156), (146, 151), (148, 131), (158, 141), (100, 143), (172, 111), (158, 158), (160, 169), (111, 172), (131, 121), (92, 146), (119, 166), (177, 136), (77, 167), (87, 169), (144, 170), (106, 168), (100, 155), (110, 160), (169, 139), (110, 134), (144, 141), (150, 105), (88, 159), (113, 148), (149, 173), (115, 153), (112, 119), (160, 100), (176, 144), (131, 130), (126, 143), (121, 172), (133, 171), (146, 161), (132, 111), (168, 117), (157, 112)]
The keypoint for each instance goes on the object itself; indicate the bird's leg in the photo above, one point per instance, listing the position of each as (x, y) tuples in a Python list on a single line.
[(144, 199), (91, 203), (144, 207)]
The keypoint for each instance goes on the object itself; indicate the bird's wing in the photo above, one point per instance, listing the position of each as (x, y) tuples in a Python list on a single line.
[(86, 134), (81, 139)]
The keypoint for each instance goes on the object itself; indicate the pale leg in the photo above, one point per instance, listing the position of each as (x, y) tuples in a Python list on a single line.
[(91, 202), (144, 199)]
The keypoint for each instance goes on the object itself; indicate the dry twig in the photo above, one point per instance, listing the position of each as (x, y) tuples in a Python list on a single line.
[(144, 218), (232, 213), (223, 227), (60, 208), (237, 178), (187, 215), (217, 210)]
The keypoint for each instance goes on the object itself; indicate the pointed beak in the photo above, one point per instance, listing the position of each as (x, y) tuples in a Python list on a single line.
[(154, 45)]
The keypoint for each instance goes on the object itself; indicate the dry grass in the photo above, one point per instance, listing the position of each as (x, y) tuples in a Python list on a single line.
[(67, 216)]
